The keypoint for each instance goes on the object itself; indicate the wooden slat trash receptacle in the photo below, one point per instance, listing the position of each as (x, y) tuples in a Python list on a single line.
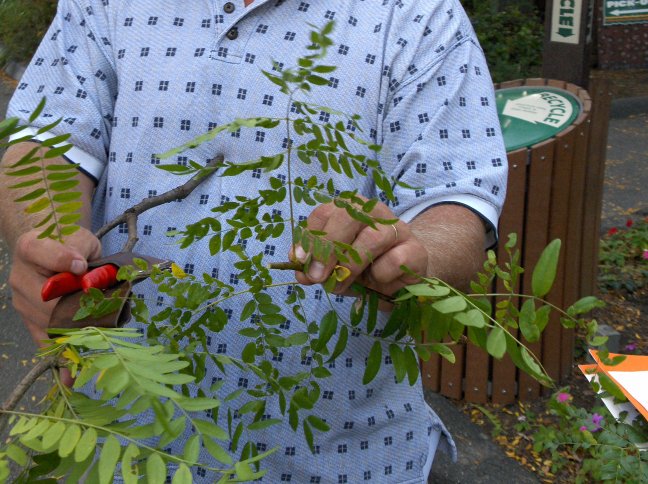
[(554, 191)]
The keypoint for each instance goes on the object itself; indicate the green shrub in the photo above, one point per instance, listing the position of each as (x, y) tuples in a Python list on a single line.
[(22, 25), (511, 36)]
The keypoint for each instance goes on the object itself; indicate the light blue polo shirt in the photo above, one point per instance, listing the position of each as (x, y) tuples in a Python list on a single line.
[(132, 79)]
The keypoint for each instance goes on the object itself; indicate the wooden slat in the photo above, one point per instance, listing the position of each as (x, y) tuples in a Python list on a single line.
[(601, 99), (431, 372), (536, 82), (476, 374), (558, 84), (574, 239), (558, 220), (452, 373), (512, 221), (536, 236), (507, 84)]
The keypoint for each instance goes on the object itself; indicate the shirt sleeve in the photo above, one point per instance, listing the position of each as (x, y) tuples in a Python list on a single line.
[(441, 133), (74, 70)]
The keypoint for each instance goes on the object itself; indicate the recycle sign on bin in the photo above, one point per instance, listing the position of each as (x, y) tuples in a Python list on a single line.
[(529, 115)]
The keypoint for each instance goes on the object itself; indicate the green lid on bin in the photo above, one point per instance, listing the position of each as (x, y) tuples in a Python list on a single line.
[(529, 115)]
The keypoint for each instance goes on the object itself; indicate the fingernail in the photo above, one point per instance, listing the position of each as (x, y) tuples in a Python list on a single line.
[(316, 271), (300, 254), (78, 266)]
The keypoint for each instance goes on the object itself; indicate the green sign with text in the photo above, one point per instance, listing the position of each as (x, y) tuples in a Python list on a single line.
[(529, 115), (618, 12)]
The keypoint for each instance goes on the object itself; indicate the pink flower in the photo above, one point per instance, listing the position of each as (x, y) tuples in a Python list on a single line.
[(645, 254), (612, 231), (563, 397), (583, 428)]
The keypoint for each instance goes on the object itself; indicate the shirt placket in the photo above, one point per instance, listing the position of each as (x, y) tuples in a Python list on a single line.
[(233, 32)]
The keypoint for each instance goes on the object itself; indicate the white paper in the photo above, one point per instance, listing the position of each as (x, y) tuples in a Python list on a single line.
[(635, 383), (616, 408)]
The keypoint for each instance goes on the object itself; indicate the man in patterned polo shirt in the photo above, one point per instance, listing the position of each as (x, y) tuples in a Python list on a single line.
[(132, 79)]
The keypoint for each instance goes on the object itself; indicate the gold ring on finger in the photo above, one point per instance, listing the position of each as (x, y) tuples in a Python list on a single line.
[(395, 232)]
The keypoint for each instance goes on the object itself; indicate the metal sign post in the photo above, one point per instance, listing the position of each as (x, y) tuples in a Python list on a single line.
[(567, 45)]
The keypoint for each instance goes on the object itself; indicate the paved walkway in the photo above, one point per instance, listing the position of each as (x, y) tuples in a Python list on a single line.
[(480, 460)]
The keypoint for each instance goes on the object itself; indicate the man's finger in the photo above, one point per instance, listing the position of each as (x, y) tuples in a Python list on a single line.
[(370, 245), (339, 227), (53, 256)]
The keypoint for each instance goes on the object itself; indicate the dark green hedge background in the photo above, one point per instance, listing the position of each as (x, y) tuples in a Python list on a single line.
[(511, 33)]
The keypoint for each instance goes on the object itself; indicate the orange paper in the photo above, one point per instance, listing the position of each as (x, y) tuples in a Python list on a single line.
[(632, 364)]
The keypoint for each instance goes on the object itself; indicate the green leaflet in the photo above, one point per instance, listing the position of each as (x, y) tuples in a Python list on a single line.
[(155, 469), (327, 329), (69, 440), (182, 475), (398, 360), (17, 455), (129, 473), (110, 452), (528, 324), (452, 304), (192, 448), (496, 342), (373, 363), (217, 451), (86, 445), (412, 365), (545, 270)]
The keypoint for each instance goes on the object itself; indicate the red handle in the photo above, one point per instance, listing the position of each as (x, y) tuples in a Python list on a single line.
[(59, 285), (101, 278)]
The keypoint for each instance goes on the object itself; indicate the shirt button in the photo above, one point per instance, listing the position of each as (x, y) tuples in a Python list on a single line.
[(232, 33), (229, 7)]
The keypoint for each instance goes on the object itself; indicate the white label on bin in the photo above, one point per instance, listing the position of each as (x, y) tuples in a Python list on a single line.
[(565, 21), (543, 107)]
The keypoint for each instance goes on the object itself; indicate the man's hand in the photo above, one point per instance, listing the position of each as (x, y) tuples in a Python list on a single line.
[(446, 241), (383, 251), (34, 260)]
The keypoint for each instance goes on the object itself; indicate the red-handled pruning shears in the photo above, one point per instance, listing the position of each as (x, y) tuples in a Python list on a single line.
[(64, 283)]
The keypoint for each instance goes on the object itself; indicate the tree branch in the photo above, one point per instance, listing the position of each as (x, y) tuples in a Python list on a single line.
[(50, 362), (181, 192)]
